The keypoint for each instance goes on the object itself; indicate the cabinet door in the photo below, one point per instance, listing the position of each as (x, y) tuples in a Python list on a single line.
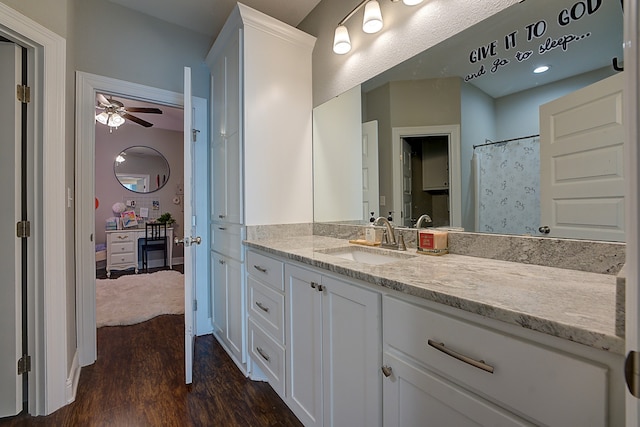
[(352, 354), (226, 140), (304, 345), (416, 397), (219, 294), (228, 303)]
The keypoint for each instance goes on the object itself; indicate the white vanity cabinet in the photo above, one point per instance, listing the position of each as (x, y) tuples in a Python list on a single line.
[(333, 350), (446, 371), (260, 151)]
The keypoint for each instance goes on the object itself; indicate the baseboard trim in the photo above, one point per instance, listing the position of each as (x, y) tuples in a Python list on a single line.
[(73, 378)]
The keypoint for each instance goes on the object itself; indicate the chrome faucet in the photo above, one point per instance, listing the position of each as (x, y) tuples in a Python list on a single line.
[(388, 232), (424, 218)]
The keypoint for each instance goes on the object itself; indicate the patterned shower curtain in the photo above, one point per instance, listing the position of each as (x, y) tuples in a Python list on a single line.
[(507, 187)]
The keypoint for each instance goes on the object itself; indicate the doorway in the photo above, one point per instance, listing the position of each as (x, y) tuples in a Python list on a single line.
[(444, 197), (51, 380), (426, 179)]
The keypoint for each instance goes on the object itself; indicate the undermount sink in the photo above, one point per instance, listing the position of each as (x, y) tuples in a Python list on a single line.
[(367, 255)]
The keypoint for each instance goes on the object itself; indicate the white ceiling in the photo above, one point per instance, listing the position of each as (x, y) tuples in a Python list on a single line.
[(208, 16)]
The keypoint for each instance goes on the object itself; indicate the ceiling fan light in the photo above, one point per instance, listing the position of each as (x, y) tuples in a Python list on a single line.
[(115, 120), (372, 22), (341, 40), (102, 118), (411, 2)]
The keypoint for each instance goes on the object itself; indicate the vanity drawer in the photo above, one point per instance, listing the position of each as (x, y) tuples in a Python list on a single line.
[(552, 387), (124, 258), (266, 306), (268, 270), (268, 355), (121, 247)]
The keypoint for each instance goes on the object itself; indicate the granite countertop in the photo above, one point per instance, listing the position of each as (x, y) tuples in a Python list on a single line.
[(574, 305)]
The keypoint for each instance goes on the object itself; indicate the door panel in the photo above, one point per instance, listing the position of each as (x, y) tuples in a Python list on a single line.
[(582, 182), (10, 213), (370, 183)]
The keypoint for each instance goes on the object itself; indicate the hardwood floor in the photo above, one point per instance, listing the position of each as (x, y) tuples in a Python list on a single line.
[(138, 380)]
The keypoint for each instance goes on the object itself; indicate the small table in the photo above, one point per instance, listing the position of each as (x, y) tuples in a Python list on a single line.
[(122, 248)]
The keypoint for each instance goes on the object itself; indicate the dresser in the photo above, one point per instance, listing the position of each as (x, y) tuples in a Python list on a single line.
[(122, 249)]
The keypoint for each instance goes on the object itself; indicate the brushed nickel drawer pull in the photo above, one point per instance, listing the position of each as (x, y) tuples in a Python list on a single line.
[(262, 307), (260, 269), (222, 216), (222, 228), (262, 353), (480, 364), (121, 237)]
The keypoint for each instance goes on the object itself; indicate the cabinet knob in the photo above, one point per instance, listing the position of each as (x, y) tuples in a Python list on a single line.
[(320, 288), (220, 261), (545, 229), (314, 285), (221, 216), (387, 371)]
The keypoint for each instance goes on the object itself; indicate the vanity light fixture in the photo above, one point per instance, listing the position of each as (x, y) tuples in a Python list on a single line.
[(541, 69), (372, 23)]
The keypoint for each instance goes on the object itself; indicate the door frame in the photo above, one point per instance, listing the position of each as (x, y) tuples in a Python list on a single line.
[(87, 85), (455, 196), (632, 212), (47, 330)]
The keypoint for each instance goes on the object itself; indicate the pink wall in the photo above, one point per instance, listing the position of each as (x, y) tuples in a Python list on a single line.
[(109, 191)]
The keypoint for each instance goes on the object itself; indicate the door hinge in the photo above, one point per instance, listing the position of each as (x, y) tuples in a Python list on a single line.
[(632, 373), (23, 229), (23, 93), (24, 364), (195, 305)]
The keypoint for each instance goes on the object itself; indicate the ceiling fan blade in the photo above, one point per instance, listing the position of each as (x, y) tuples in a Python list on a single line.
[(102, 99), (137, 120), (143, 110)]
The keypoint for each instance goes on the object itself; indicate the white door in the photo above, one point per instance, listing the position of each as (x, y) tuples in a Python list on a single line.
[(581, 163), (10, 214), (192, 135), (404, 217), (370, 182)]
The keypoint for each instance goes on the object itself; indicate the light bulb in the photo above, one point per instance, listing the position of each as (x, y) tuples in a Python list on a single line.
[(102, 118), (411, 2), (115, 120), (372, 22), (341, 41)]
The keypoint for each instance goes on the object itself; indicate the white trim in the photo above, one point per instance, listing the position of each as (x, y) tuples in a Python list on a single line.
[(72, 380), (87, 85), (455, 187), (47, 333), (632, 213)]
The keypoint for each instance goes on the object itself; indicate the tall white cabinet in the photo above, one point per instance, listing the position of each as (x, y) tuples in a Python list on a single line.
[(261, 153)]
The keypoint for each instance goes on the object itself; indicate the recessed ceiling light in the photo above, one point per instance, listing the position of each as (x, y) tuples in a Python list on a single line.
[(541, 69)]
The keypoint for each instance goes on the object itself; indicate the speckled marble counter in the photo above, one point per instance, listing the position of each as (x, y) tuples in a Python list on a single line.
[(574, 305)]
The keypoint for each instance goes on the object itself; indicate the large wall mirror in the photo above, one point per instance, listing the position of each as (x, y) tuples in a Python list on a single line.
[(474, 133), (141, 169)]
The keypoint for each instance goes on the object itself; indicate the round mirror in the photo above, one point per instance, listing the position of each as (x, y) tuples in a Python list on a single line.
[(141, 169)]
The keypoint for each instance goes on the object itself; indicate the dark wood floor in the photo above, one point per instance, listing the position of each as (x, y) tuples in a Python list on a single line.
[(138, 380)]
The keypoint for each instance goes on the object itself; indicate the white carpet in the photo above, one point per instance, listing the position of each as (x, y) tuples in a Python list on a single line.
[(135, 298)]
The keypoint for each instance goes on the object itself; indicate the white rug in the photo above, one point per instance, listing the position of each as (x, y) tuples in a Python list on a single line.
[(135, 298)]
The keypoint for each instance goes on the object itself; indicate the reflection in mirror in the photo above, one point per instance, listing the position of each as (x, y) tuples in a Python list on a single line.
[(468, 133), (141, 169)]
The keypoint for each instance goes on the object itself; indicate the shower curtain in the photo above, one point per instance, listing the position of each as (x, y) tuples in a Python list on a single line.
[(507, 187)]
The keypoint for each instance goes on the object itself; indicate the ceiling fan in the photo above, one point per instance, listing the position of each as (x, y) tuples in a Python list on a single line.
[(114, 112)]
